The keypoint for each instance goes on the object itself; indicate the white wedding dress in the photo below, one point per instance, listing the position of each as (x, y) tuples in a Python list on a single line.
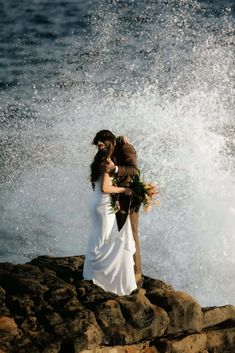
[(109, 258)]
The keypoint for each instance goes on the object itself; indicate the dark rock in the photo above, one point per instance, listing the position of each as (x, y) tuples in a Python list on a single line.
[(141, 314), (2, 295), (58, 297), (109, 314), (195, 343), (184, 312), (46, 307), (4, 311), (157, 286), (91, 337), (23, 279), (47, 343), (20, 306), (54, 319), (68, 268), (142, 347), (76, 325), (221, 340), (130, 319), (215, 315), (89, 294), (8, 327), (137, 309), (6, 269), (30, 323)]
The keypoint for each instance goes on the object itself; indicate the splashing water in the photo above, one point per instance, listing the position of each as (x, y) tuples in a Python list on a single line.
[(163, 75)]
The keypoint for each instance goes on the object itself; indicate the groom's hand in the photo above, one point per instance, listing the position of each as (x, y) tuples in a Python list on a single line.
[(125, 140)]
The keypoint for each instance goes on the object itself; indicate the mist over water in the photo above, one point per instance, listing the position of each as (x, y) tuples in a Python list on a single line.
[(160, 72)]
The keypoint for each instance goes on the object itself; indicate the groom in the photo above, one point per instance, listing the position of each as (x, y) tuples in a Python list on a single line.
[(124, 168)]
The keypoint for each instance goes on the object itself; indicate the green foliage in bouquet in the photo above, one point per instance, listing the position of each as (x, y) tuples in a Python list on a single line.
[(143, 194)]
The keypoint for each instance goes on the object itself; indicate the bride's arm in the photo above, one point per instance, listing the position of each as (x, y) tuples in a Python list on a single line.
[(108, 188)]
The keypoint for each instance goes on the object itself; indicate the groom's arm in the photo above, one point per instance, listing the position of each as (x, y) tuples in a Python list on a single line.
[(130, 161)]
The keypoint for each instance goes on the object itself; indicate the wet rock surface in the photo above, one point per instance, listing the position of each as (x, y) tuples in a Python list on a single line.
[(47, 307)]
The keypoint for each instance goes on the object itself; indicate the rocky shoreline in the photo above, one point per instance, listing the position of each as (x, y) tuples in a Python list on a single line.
[(46, 307)]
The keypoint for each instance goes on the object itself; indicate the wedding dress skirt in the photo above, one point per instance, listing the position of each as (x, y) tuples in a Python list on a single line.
[(109, 258)]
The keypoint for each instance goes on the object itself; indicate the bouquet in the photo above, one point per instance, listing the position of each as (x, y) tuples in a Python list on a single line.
[(143, 194)]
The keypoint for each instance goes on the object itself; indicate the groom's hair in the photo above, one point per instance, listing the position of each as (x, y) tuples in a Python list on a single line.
[(104, 135)]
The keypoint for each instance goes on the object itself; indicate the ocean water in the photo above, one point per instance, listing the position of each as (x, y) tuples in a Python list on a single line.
[(162, 73)]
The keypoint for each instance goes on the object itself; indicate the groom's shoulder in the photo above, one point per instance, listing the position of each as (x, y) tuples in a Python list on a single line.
[(128, 148)]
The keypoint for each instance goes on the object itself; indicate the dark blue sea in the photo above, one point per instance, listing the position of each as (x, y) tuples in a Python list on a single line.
[(162, 73)]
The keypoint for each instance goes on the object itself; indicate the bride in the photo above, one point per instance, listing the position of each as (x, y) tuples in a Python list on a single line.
[(109, 258)]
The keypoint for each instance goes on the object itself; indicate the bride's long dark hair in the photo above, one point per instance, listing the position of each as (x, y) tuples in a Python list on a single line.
[(105, 151)]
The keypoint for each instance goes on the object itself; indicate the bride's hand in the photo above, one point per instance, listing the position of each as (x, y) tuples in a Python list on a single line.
[(128, 192), (109, 165)]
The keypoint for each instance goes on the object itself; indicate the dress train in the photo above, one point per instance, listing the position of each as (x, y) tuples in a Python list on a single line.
[(109, 258)]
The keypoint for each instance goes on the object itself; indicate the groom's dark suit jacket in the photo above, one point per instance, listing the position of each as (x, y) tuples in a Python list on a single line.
[(126, 160)]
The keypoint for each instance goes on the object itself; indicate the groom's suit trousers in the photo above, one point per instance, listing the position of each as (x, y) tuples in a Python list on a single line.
[(134, 218), (127, 167)]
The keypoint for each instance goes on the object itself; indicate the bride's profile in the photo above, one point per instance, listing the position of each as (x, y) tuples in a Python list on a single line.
[(109, 258)]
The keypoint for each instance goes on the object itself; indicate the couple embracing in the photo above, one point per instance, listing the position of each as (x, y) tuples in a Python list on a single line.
[(113, 255)]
